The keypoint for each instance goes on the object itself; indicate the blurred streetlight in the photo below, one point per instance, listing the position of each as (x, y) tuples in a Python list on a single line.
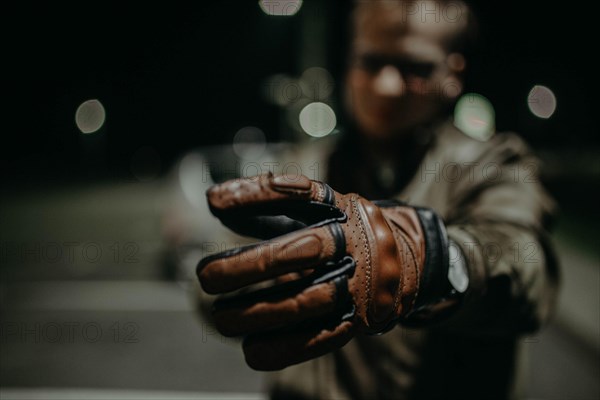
[(475, 116), (317, 119), (90, 116), (281, 8), (541, 101)]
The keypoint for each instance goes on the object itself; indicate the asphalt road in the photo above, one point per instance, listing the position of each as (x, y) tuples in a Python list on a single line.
[(85, 306)]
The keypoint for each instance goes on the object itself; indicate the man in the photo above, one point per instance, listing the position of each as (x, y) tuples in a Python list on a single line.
[(423, 298)]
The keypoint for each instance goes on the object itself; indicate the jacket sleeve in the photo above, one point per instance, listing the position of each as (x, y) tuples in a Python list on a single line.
[(499, 219)]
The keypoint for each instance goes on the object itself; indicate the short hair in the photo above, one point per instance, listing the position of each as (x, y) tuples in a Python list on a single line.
[(463, 40)]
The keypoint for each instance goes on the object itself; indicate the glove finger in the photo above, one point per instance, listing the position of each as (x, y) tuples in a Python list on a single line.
[(313, 302), (267, 188), (234, 269), (267, 206), (275, 351), (284, 305)]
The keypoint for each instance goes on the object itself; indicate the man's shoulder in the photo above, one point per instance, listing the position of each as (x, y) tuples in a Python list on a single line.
[(454, 145)]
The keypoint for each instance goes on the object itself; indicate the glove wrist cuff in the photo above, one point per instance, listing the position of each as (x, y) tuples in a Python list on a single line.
[(434, 278)]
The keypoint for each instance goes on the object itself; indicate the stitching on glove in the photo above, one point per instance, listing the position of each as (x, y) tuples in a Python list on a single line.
[(398, 295), (404, 240), (320, 195), (367, 251)]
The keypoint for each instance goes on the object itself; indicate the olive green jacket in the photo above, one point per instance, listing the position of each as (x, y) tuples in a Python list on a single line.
[(495, 209)]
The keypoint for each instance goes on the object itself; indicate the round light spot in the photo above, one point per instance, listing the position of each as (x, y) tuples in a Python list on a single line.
[(541, 101), (281, 8), (317, 119), (475, 116), (249, 143), (90, 116)]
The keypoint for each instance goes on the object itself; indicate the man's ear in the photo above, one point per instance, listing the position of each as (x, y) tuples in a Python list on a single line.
[(453, 83)]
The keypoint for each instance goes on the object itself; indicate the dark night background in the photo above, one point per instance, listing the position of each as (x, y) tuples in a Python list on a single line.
[(178, 76)]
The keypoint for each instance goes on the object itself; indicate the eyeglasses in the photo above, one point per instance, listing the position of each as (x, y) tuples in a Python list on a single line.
[(410, 69)]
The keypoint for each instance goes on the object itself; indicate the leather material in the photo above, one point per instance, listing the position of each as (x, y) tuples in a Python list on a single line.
[(352, 267)]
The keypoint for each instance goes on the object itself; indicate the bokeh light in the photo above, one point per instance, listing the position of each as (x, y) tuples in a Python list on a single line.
[(249, 143), (475, 116), (281, 8), (317, 119), (541, 101), (90, 116)]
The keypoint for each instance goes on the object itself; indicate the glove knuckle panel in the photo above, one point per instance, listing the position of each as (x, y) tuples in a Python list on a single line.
[(358, 247), (383, 272)]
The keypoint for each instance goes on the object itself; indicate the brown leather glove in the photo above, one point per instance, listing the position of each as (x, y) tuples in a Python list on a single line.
[(343, 266)]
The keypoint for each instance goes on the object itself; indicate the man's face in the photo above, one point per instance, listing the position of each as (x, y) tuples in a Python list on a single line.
[(401, 75)]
